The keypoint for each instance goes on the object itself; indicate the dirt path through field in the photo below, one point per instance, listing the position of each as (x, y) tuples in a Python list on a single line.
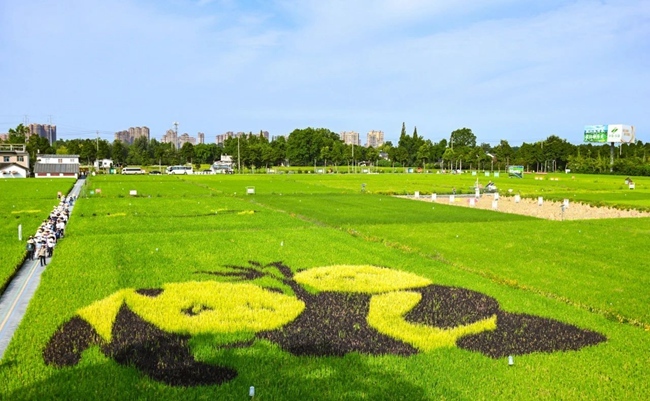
[(530, 207)]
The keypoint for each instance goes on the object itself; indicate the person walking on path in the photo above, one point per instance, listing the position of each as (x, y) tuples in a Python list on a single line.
[(23, 285), (42, 253), (31, 248), (50, 242)]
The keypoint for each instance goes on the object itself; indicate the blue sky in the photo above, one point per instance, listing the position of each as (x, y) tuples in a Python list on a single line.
[(519, 70)]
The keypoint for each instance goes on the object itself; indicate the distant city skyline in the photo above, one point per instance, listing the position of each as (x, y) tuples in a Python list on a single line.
[(130, 135), (374, 138), (507, 69)]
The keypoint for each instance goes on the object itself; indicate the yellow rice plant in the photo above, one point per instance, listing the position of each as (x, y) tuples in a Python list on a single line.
[(387, 312)]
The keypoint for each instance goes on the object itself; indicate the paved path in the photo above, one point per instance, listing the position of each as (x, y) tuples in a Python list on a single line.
[(16, 297)]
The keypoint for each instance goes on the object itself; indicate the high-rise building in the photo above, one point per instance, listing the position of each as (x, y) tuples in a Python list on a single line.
[(230, 134), (44, 131), (201, 137), (350, 138), (222, 138), (130, 135), (375, 139), (170, 137), (185, 138)]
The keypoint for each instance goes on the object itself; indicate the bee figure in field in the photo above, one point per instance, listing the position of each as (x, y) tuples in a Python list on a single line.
[(323, 311)]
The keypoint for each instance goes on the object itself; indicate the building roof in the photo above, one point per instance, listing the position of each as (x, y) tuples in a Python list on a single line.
[(57, 156), (56, 168), (7, 165)]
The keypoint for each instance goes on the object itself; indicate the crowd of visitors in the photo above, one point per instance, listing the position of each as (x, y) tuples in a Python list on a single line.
[(41, 245)]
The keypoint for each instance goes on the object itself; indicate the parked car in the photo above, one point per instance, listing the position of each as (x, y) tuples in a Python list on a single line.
[(154, 172)]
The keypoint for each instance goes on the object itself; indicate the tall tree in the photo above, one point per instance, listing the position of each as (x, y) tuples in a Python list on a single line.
[(372, 155), (448, 157), (424, 153), (404, 147), (88, 151), (504, 154), (37, 145), (104, 151), (187, 152), (462, 142), (463, 137), (279, 151), (119, 153), (204, 153), (438, 151), (18, 134), (556, 153), (414, 147), (304, 145)]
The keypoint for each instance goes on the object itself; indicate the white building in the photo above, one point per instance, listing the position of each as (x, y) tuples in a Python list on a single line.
[(65, 166), (14, 161), (103, 163), (222, 166)]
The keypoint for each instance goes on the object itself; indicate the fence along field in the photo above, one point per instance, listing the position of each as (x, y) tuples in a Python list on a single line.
[(197, 230)]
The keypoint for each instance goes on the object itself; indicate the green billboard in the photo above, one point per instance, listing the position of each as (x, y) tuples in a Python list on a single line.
[(595, 133), (516, 171)]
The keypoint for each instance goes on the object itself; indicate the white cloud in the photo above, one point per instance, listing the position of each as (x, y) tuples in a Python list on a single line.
[(436, 64)]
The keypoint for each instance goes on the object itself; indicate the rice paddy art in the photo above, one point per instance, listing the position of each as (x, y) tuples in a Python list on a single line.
[(322, 311)]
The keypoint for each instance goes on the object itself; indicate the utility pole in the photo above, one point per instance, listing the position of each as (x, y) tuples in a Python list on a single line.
[(97, 153), (238, 158), (176, 134), (354, 168)]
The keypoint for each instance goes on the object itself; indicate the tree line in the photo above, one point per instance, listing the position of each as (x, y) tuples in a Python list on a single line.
[(322, 147)]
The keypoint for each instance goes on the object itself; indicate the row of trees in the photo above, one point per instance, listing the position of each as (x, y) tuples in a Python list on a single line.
[(322, 147)]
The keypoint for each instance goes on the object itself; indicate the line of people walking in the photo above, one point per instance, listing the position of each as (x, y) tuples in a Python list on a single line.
[(41, 245)]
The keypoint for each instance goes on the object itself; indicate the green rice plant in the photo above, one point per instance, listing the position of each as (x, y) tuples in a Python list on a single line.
[(522, 268), (520, 255), (24, 203)]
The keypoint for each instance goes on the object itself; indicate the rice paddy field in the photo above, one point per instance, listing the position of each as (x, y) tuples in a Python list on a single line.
[(24, 203), (326, 287)]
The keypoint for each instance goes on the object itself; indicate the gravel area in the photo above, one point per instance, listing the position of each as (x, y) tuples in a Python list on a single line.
[(530, 207)]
